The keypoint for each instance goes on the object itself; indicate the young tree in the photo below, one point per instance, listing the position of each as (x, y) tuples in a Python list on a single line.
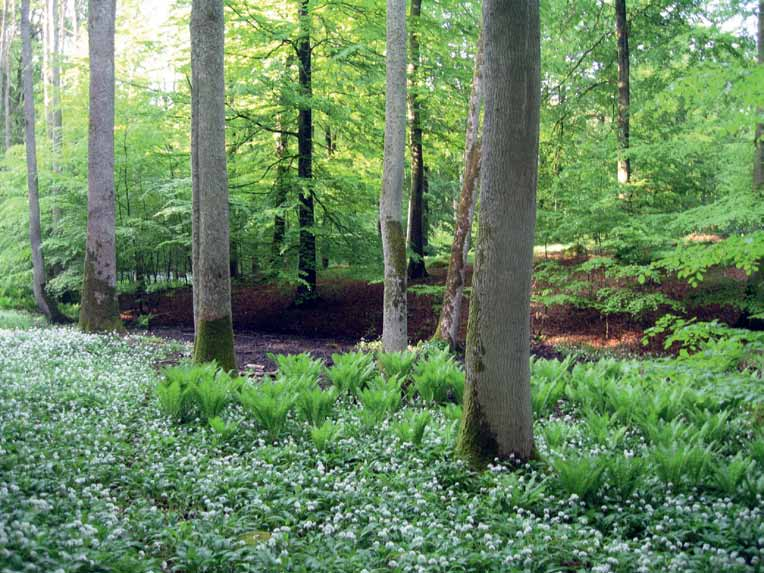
[(453, 296), (306, 290), (99, 308), (394, 329), (416, 231), (497, 418), (211, 248), (8, 30), (45, 304), (622, 33)]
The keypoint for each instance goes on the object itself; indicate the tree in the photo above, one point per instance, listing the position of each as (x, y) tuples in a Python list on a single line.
[(306, 290), (394, 329), (416, 231), (211, 248), (758, 162), (99, 308), (497, 417), (622, 33), (8, 27), (453, 295), (45, 304)]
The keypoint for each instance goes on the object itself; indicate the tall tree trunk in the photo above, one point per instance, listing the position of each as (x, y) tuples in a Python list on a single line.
[(451, 311), (56, 128), (395, 328), (4, 39), (758, 162), (7, 69), (212, 281), (306, 267), (99, 310), (45, 304), (415, 231), (497, 418), (622, 33)]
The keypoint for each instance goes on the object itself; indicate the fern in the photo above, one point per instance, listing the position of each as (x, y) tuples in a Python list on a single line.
[(351, 372), (411, 429), (269, 403), (316, 405)]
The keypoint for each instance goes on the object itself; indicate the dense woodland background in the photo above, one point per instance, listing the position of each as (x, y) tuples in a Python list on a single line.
[(689, 204)]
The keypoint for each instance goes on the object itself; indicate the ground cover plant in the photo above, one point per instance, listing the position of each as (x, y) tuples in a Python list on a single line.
[(642, 465)]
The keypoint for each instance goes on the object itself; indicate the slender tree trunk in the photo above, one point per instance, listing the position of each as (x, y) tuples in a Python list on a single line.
[(3, 41), (622, 32), (212, 280), (395, 328), (56, 128), (45, 304), (451, 311), (497, 418), (758, 162), (306, 267), (415, 232), (7, 70), (99, 310), (280, 192)]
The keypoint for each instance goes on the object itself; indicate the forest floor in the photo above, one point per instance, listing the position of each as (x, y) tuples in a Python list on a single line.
[(350, 310)]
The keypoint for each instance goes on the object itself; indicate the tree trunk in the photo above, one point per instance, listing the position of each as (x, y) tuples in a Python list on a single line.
[(45, 304), (56, 128), (497, 418), (394, 330), (99, 310), (758, 162), (4, 38), (7, 70), (415, 232), (212, 281), (622, 32), (451, 311), (306, 267), (280, 194)]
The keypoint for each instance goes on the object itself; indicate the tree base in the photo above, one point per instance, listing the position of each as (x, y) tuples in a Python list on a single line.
[(214, 342)]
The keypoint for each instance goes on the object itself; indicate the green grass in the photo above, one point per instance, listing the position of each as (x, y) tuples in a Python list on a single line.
[(19, 320), (644, 466)]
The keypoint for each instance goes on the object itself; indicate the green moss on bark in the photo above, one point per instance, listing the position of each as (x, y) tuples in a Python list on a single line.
[(214, 341), (396, 242), (99, 307)]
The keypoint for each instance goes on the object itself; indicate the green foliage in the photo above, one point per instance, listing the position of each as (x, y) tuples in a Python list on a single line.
[(176, 401), (412, 426), (18, 320), (380, 399), (437, 378), (579, 475), (192, 389), (397, 364), (316, 405), (325, 435), (269, 403), (224, 430), (298, 366), (351, 372)]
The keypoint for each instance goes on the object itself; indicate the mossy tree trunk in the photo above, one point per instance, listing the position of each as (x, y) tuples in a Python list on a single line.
[(213, 337), (395, 328), (453, 296), (497, 418), (624, 95), (415, 234), (99, 309), (45, 304), (755, 287)]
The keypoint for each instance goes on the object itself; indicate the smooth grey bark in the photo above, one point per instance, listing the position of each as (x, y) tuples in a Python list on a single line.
[(213, 339), (56, 118), (453, 296), (45, 304), (497, 417), (415, 234), (3, 40), (8, 31), (394, 328), (99, 309), (624, 94), (758, 163)]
